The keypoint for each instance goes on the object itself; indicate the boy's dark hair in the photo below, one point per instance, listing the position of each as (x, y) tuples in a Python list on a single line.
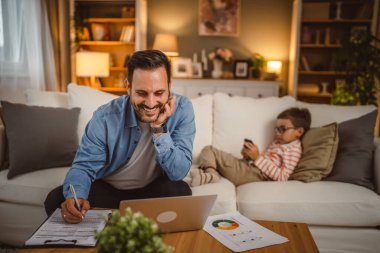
[(148, 60), (300, 117)]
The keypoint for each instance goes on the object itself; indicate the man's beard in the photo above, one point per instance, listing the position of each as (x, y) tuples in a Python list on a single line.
[(141, 112)]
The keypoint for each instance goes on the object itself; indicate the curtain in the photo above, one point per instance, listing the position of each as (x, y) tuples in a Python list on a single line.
[(26, 54), (58, 16)]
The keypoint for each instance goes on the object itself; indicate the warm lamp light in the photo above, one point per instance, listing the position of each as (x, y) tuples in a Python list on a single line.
[(274, 67), (167, 43), (92, 64), (273, 70)]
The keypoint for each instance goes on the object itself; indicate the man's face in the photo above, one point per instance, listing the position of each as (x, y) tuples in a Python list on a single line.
[(149, 93)]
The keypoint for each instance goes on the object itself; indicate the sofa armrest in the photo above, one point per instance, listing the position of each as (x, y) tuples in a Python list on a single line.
[(376, 165)]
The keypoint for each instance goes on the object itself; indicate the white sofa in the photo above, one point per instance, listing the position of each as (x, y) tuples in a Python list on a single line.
[(342, 217)]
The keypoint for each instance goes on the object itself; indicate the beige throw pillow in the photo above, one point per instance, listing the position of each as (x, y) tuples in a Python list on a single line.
[(319, 146)]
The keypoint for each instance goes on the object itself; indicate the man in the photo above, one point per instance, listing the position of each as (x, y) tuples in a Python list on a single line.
[(136, 146)]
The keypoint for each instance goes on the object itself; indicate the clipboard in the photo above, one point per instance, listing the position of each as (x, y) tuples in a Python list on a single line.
[(55, 232)]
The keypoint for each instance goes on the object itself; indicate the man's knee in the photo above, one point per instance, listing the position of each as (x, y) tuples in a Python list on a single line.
[(54, 200)]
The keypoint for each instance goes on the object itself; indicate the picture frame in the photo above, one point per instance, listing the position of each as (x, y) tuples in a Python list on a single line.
[(181, 67), (219, 18), (241, 69), (196, 68)]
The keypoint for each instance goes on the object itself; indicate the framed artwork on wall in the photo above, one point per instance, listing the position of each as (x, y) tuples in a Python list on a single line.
[(241, 69), (219, 18), (181, 67), (196, 70)]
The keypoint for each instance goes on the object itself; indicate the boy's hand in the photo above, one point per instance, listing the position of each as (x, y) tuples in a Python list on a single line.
[(165, 113), (250, 151)]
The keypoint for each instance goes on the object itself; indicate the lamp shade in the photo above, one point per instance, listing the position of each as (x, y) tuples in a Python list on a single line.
[(91, 64), (274, 67), (167, 43)]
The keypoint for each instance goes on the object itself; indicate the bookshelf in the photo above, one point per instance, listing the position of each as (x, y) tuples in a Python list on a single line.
[(320, 28), (115, 27)]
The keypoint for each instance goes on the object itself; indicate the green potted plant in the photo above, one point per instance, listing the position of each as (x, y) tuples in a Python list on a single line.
[(131, 232), (359, 59), (258, 63)]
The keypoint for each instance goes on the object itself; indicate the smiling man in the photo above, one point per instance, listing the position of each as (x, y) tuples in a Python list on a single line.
[(137, 146)]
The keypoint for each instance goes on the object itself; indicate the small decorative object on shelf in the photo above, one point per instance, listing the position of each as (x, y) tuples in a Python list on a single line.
[(258, 63), (218, 56), (131, 232)]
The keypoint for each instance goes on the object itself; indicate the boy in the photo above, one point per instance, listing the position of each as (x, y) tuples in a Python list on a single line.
[(277, 163)]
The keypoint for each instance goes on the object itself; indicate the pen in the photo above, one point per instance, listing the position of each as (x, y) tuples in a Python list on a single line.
[(75, 197)]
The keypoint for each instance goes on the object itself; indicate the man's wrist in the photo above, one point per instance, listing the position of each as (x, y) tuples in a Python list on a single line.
[(158, 130)]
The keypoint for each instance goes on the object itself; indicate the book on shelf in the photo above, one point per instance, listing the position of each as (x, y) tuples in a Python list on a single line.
[(305, 63), (127, 33), (364, 11)]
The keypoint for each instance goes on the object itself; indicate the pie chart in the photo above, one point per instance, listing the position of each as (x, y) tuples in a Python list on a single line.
[(225, 224)]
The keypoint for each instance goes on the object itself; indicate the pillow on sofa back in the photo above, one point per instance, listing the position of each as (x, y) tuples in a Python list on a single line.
[(203, 122), (319, 147), (47, 98), (354, 159), (88, 99), (39, 137), (322, 114), (236, 118)]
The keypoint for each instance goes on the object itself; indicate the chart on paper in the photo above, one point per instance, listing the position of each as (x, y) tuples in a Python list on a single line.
[(239, 233)]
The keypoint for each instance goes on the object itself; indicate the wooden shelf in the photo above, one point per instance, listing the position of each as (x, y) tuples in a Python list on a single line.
[(318, 95), (338, 21), (321, 73), (114, 90), (118, 69), (110, 20), (321, 46), (106, 43)]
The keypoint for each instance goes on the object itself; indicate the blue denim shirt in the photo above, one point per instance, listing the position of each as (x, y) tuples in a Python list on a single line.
[(111, 137)]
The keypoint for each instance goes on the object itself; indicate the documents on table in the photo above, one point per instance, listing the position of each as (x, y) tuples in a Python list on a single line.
[(239, 233), (55, 231)]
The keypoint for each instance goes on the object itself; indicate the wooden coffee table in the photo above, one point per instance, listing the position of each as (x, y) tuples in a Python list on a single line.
[(300, 240)]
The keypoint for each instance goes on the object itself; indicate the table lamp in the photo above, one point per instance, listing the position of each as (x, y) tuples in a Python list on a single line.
[(167, 43), (92, 64), (273, 70)]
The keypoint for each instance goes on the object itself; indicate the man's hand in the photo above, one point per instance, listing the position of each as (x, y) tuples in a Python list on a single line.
[(250, 151), (165, 113), (70, 213)]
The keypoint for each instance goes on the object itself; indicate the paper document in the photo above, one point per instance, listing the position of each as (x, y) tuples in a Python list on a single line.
[(55, 231), (239, 233)]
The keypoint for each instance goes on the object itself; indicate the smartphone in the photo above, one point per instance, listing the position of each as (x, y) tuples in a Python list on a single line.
[(248, 140)]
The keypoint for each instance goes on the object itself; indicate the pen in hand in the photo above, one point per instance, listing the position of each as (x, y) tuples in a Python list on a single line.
[(75, 198)]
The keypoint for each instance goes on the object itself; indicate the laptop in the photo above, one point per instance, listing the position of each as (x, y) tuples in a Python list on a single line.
[(174, 214)]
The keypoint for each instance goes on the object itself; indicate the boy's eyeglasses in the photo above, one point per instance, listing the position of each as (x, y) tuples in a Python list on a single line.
[(282, 129)]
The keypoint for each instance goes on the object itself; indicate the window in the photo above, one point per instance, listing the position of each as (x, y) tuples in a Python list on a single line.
[(1, 26)]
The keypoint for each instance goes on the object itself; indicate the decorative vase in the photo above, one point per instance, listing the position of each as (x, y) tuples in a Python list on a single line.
[(217, 72)]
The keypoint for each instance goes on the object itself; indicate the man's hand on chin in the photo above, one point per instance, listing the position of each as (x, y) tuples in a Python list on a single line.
[(165, 113)]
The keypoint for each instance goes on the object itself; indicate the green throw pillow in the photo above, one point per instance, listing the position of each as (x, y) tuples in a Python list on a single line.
[(319, 146)]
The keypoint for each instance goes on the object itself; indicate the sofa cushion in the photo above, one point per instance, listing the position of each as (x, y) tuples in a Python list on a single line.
[(354, 160), (39, 137), (226, 199), (47, 98), (31, 188), (319, 146), (325, 114), (203, 122), (236, 118), (88, 99), (317, 203)]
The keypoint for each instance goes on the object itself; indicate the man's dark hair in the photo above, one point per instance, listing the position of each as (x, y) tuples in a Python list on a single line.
[(148, 60), (300, 117)]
